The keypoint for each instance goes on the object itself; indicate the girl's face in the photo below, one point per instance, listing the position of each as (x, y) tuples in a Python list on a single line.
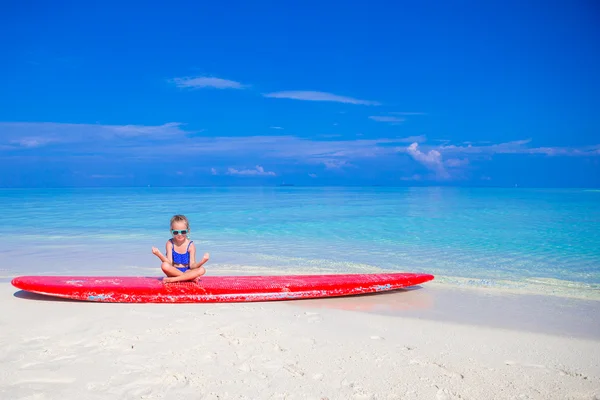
[(179, 230)]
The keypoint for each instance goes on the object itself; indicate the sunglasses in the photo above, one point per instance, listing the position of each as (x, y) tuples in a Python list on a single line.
[(181, 232)]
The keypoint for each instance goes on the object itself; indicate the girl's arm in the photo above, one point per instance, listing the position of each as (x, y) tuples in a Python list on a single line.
[(203, 261), (169, 247), (192, 255), (200, 263), (160, 255), (193, 263), (168, 258)]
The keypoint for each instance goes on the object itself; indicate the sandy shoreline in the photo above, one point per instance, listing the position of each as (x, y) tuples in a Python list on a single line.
[(428, 343), (490, 308)]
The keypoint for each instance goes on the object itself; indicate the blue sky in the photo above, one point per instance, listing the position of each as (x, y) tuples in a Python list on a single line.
[(465, 93)]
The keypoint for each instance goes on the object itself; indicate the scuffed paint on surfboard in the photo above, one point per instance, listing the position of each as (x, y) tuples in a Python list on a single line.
[(215, 289)]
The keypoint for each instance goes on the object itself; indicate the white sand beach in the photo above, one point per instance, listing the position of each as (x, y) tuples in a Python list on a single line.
[(428, 343)]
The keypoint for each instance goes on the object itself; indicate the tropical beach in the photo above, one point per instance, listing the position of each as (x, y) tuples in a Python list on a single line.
[(299, 200), (476, 331)]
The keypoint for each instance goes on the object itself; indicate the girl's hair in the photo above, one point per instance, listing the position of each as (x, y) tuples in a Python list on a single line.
[(179, 218)]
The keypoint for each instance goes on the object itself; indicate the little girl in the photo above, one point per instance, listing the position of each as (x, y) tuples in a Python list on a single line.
[(180, 263)]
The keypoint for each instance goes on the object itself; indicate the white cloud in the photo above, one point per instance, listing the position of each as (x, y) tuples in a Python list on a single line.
[(143, 130), (312, 175), (520, 147), (213, 171), (31, 142), (207, 82), (456, 162), (319, 96), (514, 147), (561, 151), (336, 163), (306, 151), (151, 143), (386, 118), (276, 127), (432, 159), (410, 139), (258, 171), (38, 134)]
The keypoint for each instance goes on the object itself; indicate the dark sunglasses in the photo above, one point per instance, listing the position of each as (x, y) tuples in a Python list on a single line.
[(181, 232)]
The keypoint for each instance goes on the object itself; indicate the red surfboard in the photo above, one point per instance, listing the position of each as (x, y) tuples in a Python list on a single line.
[(214, 289)]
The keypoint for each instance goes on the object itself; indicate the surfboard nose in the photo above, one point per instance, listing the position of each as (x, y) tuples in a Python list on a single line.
[(23, 282)]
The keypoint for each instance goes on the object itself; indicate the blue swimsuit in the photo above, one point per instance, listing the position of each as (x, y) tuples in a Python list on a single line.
[(183, 259)]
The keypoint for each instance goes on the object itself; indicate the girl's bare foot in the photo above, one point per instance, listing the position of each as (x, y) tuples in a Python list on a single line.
[(171, 279)]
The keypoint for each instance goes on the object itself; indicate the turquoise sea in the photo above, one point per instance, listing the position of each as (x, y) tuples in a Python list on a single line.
[(546, 239)]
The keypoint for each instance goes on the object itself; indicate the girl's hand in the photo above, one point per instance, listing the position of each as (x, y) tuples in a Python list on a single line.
[(206, 257), (155, 251)]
